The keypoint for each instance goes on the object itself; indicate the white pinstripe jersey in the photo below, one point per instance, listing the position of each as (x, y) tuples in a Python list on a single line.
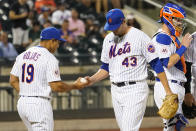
[(36, 67), (165, 51), (128, 56), (190, 54)]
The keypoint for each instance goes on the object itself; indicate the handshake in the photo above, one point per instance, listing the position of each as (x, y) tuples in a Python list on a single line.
[(82, 82)]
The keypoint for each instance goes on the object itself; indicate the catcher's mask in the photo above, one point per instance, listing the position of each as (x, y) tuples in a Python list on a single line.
[(173, 16)]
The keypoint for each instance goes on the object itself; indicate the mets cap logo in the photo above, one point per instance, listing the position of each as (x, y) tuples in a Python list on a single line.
[(151, 48), (110, 20)]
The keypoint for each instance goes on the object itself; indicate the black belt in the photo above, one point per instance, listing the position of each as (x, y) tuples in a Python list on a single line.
[(37, 97), (120, 84), (174, 81)]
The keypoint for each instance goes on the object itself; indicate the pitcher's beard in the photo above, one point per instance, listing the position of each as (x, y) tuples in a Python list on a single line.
[(118, 39)]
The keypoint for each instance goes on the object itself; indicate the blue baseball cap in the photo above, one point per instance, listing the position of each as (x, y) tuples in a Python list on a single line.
[(114, 19), (51, 33)]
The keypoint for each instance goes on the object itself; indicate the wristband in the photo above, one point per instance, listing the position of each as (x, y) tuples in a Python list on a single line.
[(181, 50)]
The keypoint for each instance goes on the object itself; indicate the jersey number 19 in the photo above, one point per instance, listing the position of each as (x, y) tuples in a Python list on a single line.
[(29, 69)]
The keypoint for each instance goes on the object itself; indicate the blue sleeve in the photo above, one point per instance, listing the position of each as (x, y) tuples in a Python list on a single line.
[(163, 39), (156, 65), (105, 66), (165, 61)]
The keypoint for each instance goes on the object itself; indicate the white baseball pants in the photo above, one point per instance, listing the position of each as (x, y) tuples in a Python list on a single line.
[(36, 113), (159, 95), (129, 104)]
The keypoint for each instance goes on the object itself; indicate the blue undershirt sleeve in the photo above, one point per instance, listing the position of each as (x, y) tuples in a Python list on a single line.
[(156, 65), (105, 66), (165, 61)]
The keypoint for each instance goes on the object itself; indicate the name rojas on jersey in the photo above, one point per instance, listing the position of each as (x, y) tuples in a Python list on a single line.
[(128, 55)]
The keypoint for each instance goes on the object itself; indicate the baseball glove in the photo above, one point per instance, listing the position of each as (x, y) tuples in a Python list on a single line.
[(169, 106), (189, 112)]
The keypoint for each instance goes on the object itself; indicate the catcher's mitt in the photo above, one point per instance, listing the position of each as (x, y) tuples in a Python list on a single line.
[(169, 107), (189, 112)]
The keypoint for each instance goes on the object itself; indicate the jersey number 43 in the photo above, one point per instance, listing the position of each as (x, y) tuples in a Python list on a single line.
[(130, 61), (27, 73)]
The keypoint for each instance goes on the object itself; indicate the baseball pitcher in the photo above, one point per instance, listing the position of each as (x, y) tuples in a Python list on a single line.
[(125, 53)]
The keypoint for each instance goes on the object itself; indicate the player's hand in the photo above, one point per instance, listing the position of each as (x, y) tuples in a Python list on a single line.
[(81, 83), (89, 80), (189, 99), (186, 40)]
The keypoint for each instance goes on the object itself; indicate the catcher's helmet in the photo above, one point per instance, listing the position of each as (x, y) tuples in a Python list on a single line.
[(173, 16)]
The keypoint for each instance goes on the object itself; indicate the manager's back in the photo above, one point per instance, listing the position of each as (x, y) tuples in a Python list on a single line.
[(36, 67)]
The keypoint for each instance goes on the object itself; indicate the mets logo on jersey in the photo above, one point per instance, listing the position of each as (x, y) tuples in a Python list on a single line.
[(151, 48)]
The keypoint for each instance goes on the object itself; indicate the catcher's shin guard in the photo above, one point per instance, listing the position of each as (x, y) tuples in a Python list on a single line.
[(177, 123), (181, 122)]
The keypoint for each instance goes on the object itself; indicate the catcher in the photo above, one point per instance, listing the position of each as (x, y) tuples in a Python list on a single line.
[(171, 53)]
